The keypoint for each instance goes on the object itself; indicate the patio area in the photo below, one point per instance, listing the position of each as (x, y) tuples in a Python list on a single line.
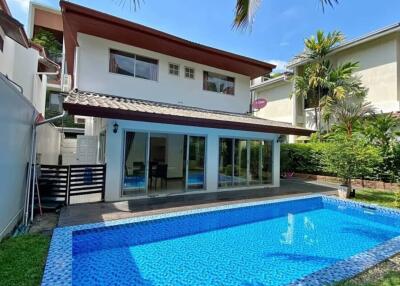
[(98, 212)]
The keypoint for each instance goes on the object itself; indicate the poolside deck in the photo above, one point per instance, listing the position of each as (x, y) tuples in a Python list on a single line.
[(98, 212)]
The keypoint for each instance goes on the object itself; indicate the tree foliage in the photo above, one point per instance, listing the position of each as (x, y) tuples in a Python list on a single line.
[(349, 157), (48, 41)]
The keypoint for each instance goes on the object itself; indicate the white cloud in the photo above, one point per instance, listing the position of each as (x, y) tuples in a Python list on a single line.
[(280, 65), (23, 4)]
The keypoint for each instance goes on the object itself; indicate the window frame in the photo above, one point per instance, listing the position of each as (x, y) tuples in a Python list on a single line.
[(133, 56), (219, 74), (175, 65), (190, 69)]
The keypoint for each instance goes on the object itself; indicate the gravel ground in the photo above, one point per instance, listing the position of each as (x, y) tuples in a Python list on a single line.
[(376, 273)]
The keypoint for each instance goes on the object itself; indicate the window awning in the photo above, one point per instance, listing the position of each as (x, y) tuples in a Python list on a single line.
[(13, 29), (108, 106)]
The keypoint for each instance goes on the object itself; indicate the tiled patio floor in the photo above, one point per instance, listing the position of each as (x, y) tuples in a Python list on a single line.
[(98, 212)]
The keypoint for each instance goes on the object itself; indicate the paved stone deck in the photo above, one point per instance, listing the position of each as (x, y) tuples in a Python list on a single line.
[(98, 212)]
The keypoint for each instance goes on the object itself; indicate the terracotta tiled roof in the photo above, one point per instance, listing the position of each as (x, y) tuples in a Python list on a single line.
[(107, 106)]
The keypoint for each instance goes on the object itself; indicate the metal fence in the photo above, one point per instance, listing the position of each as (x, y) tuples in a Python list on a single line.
[(57, 184)]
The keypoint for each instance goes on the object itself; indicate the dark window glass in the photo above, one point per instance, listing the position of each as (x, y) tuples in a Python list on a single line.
[(133, 65), (174, 69), (218, 83), (146, 68), (122, 63), (1, 43)]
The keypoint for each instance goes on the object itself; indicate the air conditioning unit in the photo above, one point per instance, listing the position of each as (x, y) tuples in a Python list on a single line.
[(79, 119), (66, 84)]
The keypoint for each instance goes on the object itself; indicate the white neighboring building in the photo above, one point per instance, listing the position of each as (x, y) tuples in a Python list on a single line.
[(23, 70), (378, 54), (166, 109)]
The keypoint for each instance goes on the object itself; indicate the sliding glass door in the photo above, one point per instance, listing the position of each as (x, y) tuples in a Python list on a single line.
[(244, 162), (135, 163), (255, 169), (225, 164), (266, 162), (155, 163), (195, 163), (240, 163)]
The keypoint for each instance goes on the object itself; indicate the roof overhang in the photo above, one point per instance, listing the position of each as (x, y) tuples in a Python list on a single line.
[(79, 19), (299, 61), (13, 29), (4, 7), (90, 107)]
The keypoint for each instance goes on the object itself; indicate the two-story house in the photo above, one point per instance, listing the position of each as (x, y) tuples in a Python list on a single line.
[(172, 116), (378, 55)]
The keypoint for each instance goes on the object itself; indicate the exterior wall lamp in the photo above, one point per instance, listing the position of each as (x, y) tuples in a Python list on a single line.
[(115, 127), (281, 139)]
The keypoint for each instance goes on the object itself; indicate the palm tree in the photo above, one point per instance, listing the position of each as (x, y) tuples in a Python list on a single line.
[(348, 111), (322, 84), (244, 11), (341, 83)]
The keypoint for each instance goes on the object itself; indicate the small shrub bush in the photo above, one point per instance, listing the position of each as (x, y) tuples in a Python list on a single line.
[(308, 158)]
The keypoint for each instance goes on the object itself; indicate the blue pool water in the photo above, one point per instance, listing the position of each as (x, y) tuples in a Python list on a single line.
[(271, 244)]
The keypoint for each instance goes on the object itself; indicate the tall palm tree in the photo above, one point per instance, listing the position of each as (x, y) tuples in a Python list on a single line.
[(321, 83), (245, 10)]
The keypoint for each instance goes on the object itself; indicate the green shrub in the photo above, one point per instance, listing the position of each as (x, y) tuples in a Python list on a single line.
[(348, 158), (302, 158)]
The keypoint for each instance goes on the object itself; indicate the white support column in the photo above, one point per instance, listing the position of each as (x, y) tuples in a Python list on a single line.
[(114, 162), (292, 138)]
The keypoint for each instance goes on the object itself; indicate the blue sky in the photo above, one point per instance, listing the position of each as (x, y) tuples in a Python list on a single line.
[(278, 31)]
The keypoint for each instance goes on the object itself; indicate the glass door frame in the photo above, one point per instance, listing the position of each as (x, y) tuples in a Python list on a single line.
[(147, 158), (187, 138), (233, 186), (146, 168)]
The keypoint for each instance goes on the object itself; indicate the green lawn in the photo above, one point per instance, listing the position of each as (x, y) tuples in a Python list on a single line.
[(22, 260), (382, 198), (390, 279)]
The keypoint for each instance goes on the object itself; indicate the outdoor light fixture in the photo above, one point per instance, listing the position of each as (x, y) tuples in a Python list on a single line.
[(280, 139), (115, 127)]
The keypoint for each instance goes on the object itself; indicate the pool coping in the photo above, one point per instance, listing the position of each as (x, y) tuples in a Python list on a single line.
[(58, 269)]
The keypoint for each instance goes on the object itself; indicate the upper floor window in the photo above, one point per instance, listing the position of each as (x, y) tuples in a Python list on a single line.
[(218, 83), (133, 65), (189, 72), (1, 43), (173, 69)]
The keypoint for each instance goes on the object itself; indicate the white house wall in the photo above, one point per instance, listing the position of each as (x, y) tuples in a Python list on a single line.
[(115, 142), (93, 75), (48, 144), (279, 102), (20, 65), (378, 70)]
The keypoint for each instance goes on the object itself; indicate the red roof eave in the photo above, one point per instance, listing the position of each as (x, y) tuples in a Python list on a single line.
[(77, 18)]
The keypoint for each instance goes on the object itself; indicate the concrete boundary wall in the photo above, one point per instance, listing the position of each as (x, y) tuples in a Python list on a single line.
[(17, 115)]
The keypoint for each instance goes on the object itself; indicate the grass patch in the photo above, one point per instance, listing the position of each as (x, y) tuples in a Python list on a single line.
[(390, 279), (22, 259), (383, 198)]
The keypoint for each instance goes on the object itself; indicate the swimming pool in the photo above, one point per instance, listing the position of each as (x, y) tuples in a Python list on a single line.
[(311, 240)]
